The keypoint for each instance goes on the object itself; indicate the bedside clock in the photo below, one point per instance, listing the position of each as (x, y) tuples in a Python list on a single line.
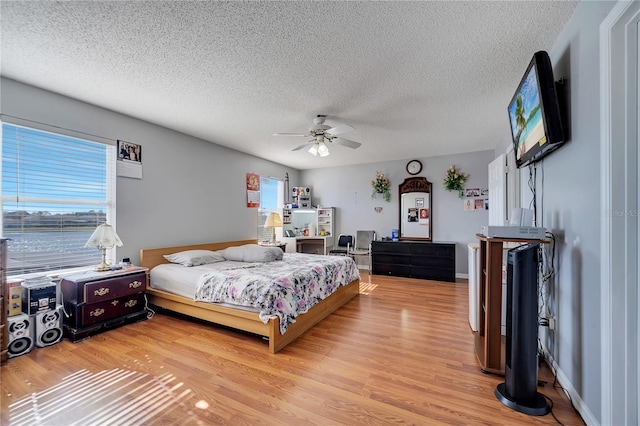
[(414, 167)]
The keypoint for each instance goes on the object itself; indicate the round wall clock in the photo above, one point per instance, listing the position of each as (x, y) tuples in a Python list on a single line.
[(414, 167)]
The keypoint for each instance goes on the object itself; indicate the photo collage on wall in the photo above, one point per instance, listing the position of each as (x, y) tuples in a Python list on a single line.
[(476, 199)]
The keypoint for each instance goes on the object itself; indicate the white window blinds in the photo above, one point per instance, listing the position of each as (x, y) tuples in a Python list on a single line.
[(271, 199), (55, 191)]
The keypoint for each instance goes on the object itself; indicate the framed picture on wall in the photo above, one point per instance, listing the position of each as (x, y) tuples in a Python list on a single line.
[(129, 160), (472, 192), (129, 151), (412, 215)]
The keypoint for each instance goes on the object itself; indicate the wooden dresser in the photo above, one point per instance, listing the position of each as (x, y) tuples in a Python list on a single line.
[(96, 301), (415, 259), (4, 331)]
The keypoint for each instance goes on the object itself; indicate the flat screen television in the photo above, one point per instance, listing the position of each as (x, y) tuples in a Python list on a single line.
[(534, 113)]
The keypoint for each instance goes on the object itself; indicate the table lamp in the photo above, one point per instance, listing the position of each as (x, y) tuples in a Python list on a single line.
[(273, 221), (104, 237)]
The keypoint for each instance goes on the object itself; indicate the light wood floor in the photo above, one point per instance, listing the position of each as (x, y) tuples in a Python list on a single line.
[(400, 353)]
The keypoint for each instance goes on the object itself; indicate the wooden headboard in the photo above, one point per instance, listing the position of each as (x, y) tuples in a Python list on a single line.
[(155, 256)]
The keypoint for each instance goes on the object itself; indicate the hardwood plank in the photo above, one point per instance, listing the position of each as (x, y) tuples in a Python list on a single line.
[(400, 353)]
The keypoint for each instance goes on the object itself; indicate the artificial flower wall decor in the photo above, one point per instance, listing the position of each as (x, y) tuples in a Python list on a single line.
[(381, 185), (454, 180)]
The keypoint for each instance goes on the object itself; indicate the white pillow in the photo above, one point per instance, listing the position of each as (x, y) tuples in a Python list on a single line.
[(194, 257), (252, 253)]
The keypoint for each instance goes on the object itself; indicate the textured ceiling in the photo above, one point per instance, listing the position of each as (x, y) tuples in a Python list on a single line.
[(414, 79)]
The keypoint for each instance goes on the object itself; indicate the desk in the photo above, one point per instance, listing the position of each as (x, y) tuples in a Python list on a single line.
[(314, 245)]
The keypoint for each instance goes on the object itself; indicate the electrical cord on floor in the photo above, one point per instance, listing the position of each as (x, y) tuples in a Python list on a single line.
[(150, 312), (551, 409), (556, 385)]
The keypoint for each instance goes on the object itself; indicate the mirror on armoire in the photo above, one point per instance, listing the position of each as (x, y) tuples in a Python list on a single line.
[(416, 215)]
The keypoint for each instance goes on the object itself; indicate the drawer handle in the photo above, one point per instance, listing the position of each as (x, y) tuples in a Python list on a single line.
[(131, 303), (101, 291), (96, 312), (114, 302), (135, 284)]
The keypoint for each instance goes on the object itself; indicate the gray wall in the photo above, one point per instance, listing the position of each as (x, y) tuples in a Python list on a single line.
[(568, 196), (192, 191), (349, 190)]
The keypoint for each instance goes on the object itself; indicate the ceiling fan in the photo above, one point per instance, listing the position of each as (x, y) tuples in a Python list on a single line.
[(321, 135)]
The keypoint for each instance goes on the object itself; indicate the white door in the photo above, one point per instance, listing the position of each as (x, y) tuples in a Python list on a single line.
[(497, 191), (620, 228)]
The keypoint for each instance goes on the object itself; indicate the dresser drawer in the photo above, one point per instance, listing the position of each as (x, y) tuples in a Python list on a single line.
[(87, 314), (434, 249), (93, 286), (112, 288), (394, 247)]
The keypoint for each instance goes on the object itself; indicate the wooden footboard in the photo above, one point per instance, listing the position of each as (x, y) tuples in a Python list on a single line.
[(238, 318)]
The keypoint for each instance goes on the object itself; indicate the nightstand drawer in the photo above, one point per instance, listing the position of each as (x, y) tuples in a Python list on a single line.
[(84, 315), (112, 288)]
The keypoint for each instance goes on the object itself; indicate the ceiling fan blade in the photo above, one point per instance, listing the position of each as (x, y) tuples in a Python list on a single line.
[(341, 128), (346, 142), (290, 134), (303, 145)]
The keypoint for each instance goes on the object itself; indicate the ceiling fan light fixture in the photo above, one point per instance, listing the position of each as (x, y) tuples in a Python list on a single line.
[(321, 134), (323, 150)]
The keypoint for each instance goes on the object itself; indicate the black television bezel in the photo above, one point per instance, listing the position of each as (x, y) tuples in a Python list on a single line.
[(550, 110)]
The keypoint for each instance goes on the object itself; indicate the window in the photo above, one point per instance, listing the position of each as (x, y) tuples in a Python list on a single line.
[(271, 199), (55, 191)]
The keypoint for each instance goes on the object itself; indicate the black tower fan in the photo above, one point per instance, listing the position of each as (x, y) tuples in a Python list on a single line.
[(519, 391)]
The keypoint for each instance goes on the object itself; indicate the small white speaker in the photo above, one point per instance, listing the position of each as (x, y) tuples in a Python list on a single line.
[(48, 327), (20, 335), (521, 217)]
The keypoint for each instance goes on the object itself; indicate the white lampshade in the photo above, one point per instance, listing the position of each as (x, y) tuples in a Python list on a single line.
[(104, 237), (273, 220), (314, 149)]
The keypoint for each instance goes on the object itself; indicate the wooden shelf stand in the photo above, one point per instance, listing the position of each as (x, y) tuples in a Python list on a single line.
[(488, 339)]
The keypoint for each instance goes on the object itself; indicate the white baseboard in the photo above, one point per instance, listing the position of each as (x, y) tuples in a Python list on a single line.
[(578, 403), (462, 276)]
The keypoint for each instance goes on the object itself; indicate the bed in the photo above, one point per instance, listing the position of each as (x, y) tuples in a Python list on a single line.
[(238, 317)]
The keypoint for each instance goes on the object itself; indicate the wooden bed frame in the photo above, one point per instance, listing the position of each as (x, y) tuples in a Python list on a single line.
[(237, 318)]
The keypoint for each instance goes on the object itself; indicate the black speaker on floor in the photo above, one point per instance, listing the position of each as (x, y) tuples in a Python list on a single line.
[(20, 335), (519, 391)]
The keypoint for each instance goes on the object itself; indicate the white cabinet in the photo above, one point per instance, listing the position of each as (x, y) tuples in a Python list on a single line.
[(315, 221), (319, 225), (325, 221), (473, 285)]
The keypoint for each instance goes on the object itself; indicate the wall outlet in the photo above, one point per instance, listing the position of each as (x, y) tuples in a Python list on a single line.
[(552, 323), (560, 235)]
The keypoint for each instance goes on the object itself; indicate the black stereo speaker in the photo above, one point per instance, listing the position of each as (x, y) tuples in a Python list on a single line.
[(48, 327), (20, 335)]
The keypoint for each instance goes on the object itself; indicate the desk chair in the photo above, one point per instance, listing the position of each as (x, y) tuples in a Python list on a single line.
[(363, 246), (345, 244)]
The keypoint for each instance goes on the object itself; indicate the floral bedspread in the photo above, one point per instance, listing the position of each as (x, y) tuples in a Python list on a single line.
[(285, 288)]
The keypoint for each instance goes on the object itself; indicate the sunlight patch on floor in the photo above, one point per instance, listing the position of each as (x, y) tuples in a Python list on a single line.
[(109, 397), (367, 287)]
